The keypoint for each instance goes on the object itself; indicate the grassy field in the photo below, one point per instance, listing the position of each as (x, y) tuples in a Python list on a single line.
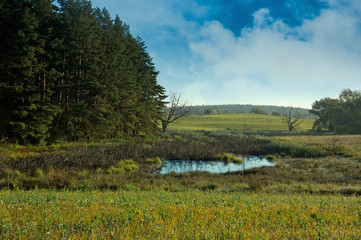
[(181, 215), (110, 190), (241, 121)]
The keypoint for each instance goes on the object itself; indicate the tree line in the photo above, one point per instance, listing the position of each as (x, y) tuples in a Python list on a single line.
[(340, 115), (71, 72), (243, 108)]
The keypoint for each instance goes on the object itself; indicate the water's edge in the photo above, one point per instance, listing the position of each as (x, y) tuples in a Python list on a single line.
[(181, 166)]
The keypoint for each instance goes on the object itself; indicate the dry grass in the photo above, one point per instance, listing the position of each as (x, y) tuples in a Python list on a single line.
[(83, 167), (351, 142)]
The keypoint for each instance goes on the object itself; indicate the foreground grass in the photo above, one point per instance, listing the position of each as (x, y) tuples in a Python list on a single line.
[(240, 121), (182, 215)]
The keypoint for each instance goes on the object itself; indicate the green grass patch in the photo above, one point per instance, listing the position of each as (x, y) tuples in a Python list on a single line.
[(176, 215), (241, 121), (229, 157), (124, 166)]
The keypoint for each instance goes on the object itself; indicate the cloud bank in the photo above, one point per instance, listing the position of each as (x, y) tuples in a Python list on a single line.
[(266, 62), (271, 63)]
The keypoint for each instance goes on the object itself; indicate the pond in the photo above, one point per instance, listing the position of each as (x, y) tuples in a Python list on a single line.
[(180, 166)]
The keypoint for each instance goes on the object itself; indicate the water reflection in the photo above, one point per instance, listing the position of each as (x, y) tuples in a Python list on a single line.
[(180, 166)]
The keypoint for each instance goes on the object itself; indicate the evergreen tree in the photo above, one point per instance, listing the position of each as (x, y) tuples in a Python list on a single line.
[(81, 89), (151, 95), (26, 112), (116, 75), (73, 73)]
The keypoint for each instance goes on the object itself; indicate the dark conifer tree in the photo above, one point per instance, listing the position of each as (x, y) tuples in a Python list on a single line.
[(81, 88), (26, 112), (124, 79), (150, 94), (73, 73), (112, 65)]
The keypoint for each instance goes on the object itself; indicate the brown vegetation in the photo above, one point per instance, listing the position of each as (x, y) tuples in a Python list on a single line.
[(101, 167)]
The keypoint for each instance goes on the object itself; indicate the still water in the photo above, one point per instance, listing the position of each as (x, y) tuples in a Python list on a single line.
[(180, 166)]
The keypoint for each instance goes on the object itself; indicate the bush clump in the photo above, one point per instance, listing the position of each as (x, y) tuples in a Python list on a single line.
[(229, 157), (156, 161), (10, 173), (39, 173), (124, 166)]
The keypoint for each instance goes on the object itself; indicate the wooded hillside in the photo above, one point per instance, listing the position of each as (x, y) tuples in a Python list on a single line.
[(242, 108)]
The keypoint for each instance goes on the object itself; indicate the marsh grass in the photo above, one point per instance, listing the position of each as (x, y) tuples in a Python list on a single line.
[(289, 146), (124, 166), (346, 144), (340, 174), (108, 166), (229, 157)]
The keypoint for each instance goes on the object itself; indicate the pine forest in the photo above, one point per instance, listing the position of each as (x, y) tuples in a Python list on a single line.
[(71, 72)]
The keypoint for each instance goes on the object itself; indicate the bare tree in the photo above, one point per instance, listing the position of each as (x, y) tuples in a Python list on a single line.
[(292, 118), (177, 109)]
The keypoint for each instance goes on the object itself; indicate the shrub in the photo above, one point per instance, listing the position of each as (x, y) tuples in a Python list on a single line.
[(156, 160), (276, 113), (257, 110), (83, 173), (209, 186), (10, 173), (39, 173), (124, 166), (229, 157), (273, 157)]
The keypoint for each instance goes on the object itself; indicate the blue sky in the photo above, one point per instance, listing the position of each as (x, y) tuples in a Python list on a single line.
[(272, 52)]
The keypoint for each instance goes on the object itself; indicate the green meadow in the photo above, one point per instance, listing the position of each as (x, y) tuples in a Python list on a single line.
[(176, 215), (238, 121), (110, 190)]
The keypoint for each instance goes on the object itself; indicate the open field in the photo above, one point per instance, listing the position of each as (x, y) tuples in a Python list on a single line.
[(111, 190), (180, 215), (239, 121)]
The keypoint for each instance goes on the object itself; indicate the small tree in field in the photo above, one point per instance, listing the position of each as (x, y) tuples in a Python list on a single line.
[(292, 118), (276, 114), (176, 110), (257, 110)]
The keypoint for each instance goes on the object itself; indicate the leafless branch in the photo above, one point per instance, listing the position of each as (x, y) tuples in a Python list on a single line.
[(176, 110), (292, 118)]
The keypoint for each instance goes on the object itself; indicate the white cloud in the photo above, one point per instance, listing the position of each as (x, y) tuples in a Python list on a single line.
[(346, 5), (154, 17), (271, 63), (262, 18), (268, 63)]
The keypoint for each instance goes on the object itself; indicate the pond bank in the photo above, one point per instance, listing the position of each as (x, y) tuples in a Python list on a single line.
[(181, 166)]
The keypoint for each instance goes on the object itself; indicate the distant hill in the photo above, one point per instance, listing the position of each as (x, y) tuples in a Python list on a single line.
[(241, 108)]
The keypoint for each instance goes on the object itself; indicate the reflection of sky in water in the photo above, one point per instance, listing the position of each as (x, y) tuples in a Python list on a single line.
[(213, 166)]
